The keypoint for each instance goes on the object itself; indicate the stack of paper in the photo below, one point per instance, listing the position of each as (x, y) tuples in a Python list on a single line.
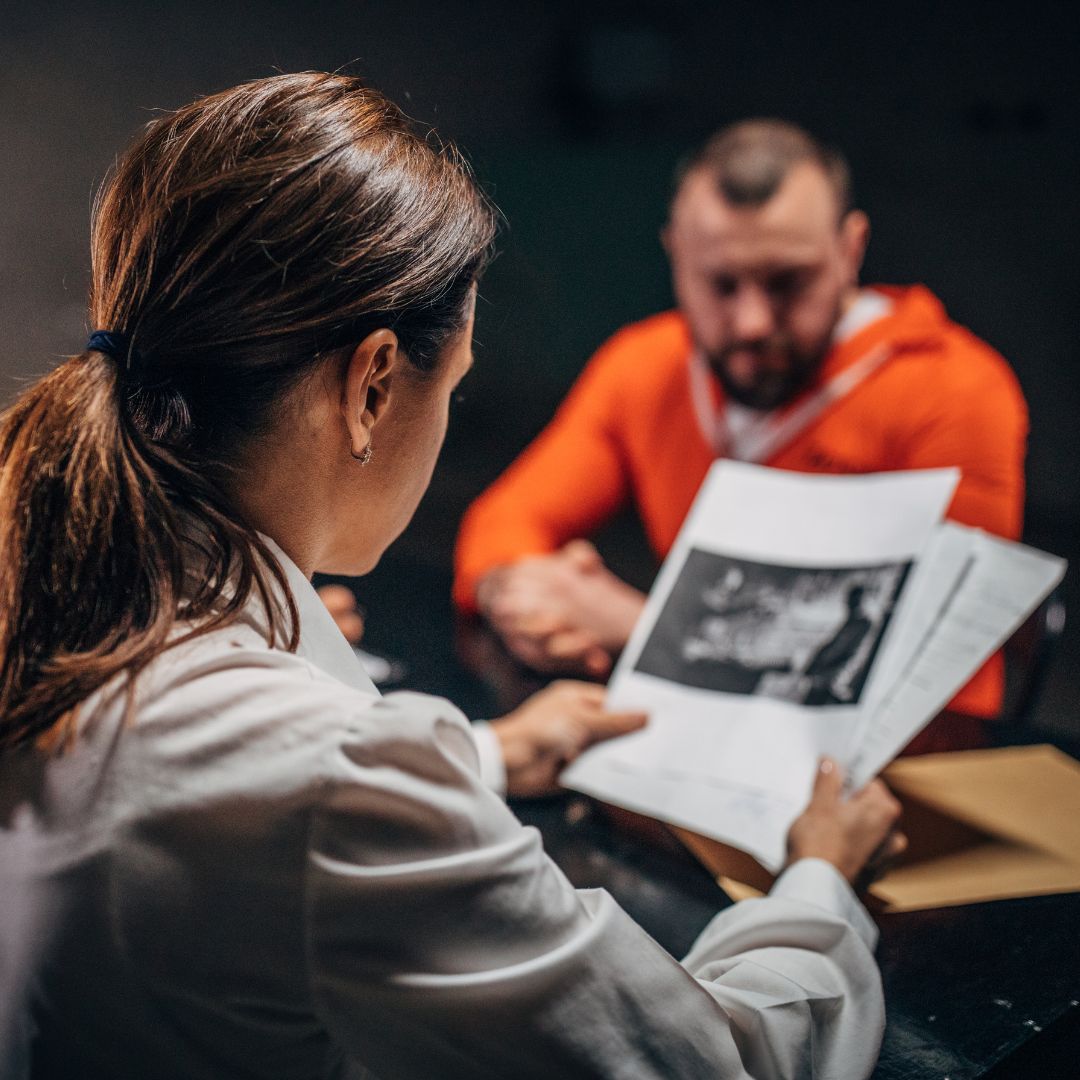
[(798, 616)]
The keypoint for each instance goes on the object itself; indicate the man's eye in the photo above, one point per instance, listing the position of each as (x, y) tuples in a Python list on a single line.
[(725, 286)]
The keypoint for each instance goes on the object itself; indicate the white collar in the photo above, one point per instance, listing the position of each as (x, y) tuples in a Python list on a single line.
[(321, 642), (869, 306)]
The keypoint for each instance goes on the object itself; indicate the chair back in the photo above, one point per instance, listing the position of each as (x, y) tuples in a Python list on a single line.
[(1028, 654)]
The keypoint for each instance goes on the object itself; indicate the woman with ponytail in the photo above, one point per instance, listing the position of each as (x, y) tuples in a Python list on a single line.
[(222, 853)]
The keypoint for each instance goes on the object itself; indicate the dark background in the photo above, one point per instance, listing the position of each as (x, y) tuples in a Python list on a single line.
[(961, 121)]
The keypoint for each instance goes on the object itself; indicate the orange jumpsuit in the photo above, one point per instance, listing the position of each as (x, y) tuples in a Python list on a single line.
[(628, 431)]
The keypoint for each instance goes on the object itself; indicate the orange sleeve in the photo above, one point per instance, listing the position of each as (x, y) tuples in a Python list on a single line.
[(981, 426), (565, 484)]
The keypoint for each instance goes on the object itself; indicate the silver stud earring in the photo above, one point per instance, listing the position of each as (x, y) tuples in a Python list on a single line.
[(365, 456)]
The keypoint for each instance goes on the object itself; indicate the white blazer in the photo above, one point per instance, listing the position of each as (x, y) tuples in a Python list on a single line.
[(275, 872)]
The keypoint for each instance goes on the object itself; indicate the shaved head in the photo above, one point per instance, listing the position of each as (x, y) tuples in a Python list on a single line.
[(749, 161)]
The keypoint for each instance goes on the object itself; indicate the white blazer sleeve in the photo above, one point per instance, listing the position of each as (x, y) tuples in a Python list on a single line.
[(443, 943)]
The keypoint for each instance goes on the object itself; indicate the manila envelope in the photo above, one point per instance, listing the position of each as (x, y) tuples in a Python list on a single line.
[(981, 825)]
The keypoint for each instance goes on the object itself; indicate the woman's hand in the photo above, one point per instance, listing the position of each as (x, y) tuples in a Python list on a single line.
[(545, 733), (341, 604), (854, 834)]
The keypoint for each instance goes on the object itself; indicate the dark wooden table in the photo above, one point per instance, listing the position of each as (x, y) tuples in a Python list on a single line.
[(984, 990)]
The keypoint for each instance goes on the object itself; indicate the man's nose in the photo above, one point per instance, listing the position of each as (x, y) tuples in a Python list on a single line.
[(752, 317)]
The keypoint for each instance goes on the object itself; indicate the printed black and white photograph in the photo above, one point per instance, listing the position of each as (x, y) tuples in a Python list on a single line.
[(802, 634)]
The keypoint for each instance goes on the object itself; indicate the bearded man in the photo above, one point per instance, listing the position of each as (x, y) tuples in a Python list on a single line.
[(775, 355)]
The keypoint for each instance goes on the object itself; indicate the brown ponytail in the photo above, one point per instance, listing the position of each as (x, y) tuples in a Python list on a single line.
[(242, 241)]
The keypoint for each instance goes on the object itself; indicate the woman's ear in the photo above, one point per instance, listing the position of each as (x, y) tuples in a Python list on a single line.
[(369, 376)]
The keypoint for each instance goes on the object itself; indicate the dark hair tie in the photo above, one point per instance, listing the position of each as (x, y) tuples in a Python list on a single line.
[(118, 348)]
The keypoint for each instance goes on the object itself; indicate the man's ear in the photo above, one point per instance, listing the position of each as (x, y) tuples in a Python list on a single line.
[(366, 388), (665, 238), (855, 235)]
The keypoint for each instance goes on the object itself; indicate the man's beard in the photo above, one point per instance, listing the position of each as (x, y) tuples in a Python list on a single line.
[(770, 388)]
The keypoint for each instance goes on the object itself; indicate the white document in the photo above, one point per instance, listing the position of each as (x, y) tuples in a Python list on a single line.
[(753, 820), (798, 616), (754, 651), (941, 566), (998, 585)]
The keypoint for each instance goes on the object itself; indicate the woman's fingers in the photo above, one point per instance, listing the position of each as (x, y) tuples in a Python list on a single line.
[(895, 846), (337, 599), (891, 848), (828, 783), (351, 624), (341, 604), (608, 725), (854, 834), (877, 804), (586, 696), (580, 706), (552, 728)]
